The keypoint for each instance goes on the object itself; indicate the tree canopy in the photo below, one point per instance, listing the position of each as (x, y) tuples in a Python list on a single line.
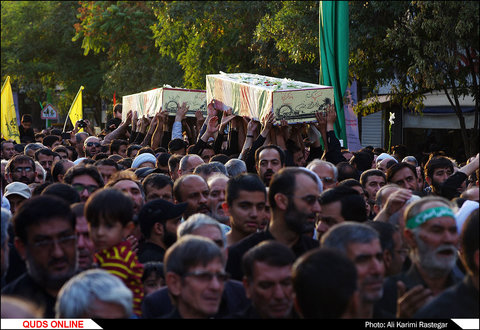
[(125, 47)]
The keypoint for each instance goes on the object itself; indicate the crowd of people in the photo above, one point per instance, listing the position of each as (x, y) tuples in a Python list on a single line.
[(225, 217)]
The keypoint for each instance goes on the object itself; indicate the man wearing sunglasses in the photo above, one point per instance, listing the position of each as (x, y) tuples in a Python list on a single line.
[(84, 179), (326, 171), (91, 146)]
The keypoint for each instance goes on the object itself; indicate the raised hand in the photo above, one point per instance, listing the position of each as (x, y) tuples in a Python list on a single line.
[(321, 123), (211, 111), (181, 112), (226, 118)]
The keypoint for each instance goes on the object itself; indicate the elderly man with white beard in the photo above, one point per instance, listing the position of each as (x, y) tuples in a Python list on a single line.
[(217, 185), (431, 234)]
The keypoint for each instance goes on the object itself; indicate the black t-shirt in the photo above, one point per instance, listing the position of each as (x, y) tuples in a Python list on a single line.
[(237, 250), (27, 288)]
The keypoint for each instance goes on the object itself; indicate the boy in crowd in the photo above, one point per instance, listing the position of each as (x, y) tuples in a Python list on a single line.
[(109, 213)]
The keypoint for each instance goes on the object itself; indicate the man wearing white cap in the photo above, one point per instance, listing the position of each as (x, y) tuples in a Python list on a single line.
[(16, 193), (383, 160), (145, 159)]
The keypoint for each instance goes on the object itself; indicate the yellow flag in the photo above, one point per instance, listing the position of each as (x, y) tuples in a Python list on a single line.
[(9, 116), (76, 109)]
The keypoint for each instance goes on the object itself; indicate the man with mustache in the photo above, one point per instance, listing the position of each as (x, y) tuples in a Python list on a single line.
[(461, 300), (431, 234), (269, 159), (361, 244), (193, 189), (217, 184), (45, 238), (20, 168), (293, 197), (85, 246)]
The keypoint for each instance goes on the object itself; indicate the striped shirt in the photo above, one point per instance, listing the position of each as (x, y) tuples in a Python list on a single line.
[(121, 261)]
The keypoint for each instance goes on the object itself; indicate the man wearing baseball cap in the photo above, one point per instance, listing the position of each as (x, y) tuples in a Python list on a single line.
[(158, 221), (16, 193)]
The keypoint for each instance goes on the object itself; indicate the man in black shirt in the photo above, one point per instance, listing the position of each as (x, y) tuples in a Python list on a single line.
[(293, 197), (27, 135), (45, 238)]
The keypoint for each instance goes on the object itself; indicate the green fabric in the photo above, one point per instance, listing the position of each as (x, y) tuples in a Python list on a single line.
[(424, 216), (334, 51)]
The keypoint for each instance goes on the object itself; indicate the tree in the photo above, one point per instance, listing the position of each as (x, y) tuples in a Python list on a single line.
[(120, 30), (443, 40), (286, 40), (418, 47), (206, 37), (38, 54)]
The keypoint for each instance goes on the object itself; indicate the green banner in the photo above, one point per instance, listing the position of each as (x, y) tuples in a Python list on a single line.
[(334, 50)]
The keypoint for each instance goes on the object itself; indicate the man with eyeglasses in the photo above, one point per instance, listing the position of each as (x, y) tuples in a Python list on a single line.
[(91, 146), (326, 171), (20, 168), (233, 296), (293, 196), (45, 238), (85, 179), (195, 276)]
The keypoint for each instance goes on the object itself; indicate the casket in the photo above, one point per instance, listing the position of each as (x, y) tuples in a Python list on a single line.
[(255, 96)]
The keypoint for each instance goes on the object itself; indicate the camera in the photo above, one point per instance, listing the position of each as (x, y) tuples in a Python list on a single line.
[(82, 123)]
